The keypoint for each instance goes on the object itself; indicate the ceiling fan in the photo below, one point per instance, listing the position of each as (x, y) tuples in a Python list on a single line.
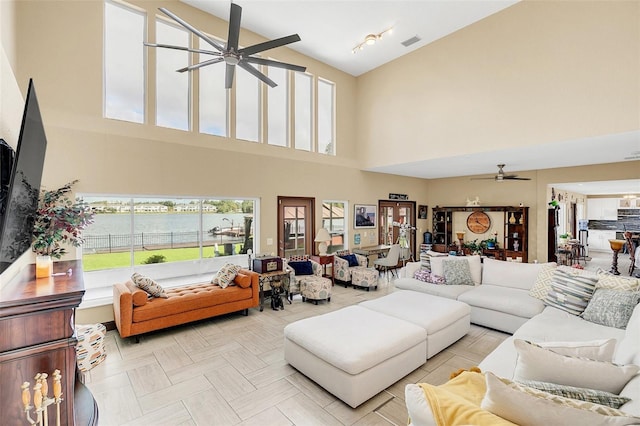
[(501, 176), (229, 53)]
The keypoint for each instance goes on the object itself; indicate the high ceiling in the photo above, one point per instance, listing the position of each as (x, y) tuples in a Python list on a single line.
[(331, 29)]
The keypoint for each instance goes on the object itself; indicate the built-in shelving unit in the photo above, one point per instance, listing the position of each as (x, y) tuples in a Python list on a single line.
[(514, 243)]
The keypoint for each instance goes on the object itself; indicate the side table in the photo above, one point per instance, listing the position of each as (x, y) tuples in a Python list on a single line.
[(324, 260), (269, 277)]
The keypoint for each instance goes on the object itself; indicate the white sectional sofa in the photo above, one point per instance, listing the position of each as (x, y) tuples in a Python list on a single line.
[(499, 297), (551, 325)]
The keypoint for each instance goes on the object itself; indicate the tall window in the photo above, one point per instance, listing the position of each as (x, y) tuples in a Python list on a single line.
[(333, 220), (124, 71), (213, 99), (141, 231), (303, 117), (247, 106), (326, 127), (278, 107), (172, 88)]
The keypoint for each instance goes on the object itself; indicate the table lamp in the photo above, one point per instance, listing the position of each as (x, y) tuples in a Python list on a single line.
[(322, 237)]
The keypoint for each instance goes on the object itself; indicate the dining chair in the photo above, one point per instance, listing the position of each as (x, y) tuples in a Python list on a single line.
[(390, 262)]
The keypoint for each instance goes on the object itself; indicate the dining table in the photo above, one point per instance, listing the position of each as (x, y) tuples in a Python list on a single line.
[(379, 250)]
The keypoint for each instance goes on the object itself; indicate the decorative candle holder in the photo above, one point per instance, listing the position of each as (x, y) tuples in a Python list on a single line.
[(44, 266), (616, 246)]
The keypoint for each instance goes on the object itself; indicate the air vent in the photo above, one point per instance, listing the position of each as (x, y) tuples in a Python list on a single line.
[(408, 42)]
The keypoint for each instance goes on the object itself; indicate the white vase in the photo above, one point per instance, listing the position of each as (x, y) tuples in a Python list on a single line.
[(44, 266)]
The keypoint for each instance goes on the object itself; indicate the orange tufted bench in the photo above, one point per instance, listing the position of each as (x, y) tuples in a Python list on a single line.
[(135, 313)]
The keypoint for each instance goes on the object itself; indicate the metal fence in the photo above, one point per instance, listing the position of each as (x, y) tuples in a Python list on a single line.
[(109, 243)]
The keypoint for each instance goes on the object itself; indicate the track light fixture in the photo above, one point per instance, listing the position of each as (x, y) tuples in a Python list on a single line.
[(370, 40)]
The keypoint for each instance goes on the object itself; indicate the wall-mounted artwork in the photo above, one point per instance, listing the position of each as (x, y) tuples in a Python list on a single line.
[(365, 216)]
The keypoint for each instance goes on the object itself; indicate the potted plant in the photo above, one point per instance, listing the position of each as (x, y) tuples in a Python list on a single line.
[(58, 220), (563, 238)]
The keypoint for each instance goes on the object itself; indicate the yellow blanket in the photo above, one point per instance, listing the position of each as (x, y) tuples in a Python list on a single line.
[(457, 402)]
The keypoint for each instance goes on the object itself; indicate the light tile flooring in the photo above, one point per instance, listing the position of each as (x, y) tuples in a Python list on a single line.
[(230, 370)]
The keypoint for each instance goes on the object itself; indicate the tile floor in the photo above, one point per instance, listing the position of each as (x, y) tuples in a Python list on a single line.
[(230, 370)]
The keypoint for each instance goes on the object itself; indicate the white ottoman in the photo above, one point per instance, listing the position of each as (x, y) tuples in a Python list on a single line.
[(354, 352), (445, 320), (365, 278)]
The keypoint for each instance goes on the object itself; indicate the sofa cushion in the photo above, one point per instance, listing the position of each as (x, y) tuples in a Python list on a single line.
[(242, 280), (148, 285), (593, 396), (457, 272), (537, 363), (448, 291), (225, 275), (475, 266), (510, 274), (616, 282), (503, 299), (526, 406), (627, 351), (599, 350), (543, 281), (139, 297), (302, 267), (612, 308), (351, 258), (571, 290)]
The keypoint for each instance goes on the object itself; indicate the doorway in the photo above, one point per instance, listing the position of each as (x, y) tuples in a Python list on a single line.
[(296, 219), (399, 212)]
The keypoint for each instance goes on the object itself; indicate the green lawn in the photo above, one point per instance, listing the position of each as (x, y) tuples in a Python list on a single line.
[(95, 262)]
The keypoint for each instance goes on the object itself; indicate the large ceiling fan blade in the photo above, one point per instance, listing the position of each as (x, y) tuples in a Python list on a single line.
[(257, 73), (272, 44), (273, 63), (228, 76), (186, 49), (234, 27), (192, 29), (201, 64), (491, 178), (515, 177)]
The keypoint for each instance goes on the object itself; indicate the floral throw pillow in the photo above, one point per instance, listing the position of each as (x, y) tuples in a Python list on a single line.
[(148, 285), (422, 275), (225, 275)]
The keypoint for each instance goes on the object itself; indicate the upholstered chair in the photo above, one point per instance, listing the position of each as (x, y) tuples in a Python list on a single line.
[(344, 263), (390, 262), (306, 278)]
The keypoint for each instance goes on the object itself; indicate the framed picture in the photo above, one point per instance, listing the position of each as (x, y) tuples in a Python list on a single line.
[(422, 212), (365, 216)]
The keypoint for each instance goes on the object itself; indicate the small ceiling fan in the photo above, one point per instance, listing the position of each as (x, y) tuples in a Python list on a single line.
[(229, 52), (501, 176)]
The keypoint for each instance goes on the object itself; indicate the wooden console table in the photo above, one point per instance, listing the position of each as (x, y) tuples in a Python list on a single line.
[(37, 334)]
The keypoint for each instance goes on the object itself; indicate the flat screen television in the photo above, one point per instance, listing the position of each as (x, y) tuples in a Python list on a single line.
[(7, 154), (24, 185)]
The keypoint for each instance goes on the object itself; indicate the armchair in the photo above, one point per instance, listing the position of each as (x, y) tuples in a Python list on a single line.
[(342, 268), (306, 278)]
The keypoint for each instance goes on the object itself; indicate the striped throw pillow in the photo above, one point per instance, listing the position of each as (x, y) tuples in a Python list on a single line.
[(570, 291), (593, 396)]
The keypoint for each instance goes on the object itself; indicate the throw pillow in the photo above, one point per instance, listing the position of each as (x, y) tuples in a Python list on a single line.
[(352, 259), (299, 257), (543, 281), (537, 363), (436, 279), (225, 275), (242, 280), (302, 267), (612, 308), (570, 291), (583, 394), (616, 282), (422, 275), (528, 407), (457, 272), (148, 285), (598, 350)]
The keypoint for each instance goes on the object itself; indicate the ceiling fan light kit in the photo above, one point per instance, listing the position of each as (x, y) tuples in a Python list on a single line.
[(229, 53), (501, 176)]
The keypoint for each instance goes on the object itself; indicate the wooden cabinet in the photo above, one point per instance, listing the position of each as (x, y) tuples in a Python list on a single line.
[(513, 238), (37, 334), (602, 208)]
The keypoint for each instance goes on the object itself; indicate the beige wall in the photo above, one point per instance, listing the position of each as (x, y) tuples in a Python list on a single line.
[(535, 73)]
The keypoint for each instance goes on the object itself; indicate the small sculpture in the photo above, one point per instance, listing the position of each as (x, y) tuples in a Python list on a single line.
[(475, 202)]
